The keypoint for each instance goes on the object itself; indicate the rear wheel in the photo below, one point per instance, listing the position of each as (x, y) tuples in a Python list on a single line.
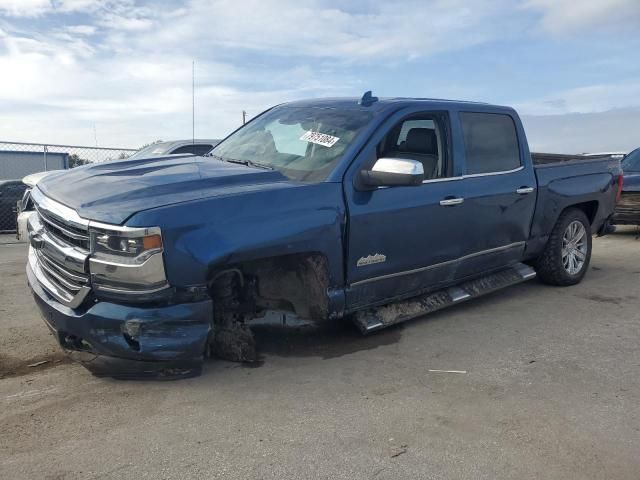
[(566, 257)]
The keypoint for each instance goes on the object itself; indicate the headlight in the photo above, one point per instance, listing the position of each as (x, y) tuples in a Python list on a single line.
[(126, 261), (134, 248)]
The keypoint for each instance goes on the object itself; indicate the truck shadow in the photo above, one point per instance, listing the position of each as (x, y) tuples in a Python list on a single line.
[(337, 338), (330, 340)]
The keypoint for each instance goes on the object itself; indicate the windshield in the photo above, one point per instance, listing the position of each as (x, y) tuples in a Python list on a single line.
[(304, 143), (631, 162)]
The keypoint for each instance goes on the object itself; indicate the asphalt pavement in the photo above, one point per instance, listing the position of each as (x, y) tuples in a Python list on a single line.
[(533, 382)]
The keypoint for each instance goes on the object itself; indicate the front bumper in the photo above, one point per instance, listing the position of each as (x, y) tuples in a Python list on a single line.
[(125, 341)]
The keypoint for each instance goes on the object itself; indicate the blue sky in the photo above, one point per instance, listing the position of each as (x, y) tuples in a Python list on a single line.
[(572, 68)]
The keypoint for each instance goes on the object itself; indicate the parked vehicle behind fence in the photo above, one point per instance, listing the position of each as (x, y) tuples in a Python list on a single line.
[(176, 147), (25, 207), (10, 192), (375, 211), (15, 164)]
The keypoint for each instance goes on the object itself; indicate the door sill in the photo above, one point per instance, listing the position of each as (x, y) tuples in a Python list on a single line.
[(371, 320)]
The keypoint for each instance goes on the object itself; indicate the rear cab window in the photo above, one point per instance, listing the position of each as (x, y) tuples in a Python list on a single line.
[(491, 143)]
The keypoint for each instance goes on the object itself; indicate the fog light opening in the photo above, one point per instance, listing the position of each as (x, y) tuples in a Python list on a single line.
[(72, 342), (131, 333)]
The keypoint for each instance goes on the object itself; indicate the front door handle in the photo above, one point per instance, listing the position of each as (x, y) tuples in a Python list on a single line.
[(524, 190), (449, 202)]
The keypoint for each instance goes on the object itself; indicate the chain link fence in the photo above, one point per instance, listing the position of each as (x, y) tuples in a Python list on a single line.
[(18, 159), (42, 156)]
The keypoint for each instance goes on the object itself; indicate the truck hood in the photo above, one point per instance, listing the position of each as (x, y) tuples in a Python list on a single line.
[(111, 192)]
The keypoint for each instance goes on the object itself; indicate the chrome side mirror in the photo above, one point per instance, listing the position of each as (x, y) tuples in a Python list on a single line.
[(391, 172)]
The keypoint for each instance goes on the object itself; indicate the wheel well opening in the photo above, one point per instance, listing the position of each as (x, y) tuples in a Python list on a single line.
[(296, 282), (589, 208)]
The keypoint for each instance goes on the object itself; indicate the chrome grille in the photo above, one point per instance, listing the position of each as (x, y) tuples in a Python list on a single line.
[(69, 281), (60, 249), (67, 233)]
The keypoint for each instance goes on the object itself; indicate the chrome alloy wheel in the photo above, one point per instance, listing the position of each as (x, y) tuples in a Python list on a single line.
[(574, 247)]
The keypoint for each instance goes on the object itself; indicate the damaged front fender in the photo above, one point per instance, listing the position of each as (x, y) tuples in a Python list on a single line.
[(122, 340)]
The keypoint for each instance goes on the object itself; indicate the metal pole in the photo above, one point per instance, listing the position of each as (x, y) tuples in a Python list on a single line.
[(45, 158), (244, 117), (193, 101)]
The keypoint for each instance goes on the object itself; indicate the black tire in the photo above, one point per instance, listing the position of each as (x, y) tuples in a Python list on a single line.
[(549, 265)]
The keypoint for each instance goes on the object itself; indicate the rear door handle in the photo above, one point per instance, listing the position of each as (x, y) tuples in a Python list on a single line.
[(524, 190), (449, 202)]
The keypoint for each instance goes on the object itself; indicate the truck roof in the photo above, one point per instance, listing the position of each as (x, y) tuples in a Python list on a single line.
[(385, 103)]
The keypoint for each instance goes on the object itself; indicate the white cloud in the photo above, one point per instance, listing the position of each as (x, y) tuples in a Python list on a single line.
[(569, 16), (77, 5), (125, 65), (120, 22), (609, 131), (135, 77), (24, 8), (57, 91), (382, 30), (81, 29), (587, 99), (34, 8)]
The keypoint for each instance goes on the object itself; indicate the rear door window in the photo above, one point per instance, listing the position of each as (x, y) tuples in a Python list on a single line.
[(491, 142)]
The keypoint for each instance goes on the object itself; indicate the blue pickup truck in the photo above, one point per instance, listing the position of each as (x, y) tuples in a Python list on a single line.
[(368, 210)]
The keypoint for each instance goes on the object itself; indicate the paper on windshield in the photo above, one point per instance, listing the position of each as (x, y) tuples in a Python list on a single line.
[(319, 138)]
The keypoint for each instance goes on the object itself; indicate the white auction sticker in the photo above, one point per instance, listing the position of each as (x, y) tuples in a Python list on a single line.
[(319, 138)]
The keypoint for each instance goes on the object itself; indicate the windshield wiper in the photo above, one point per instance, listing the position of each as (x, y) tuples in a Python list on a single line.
[(249, 163)]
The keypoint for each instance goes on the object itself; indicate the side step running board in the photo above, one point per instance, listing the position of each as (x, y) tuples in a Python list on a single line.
[(386, 315)]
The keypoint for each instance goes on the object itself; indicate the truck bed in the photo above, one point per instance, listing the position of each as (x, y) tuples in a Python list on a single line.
[(539, 159), (566, 180)]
